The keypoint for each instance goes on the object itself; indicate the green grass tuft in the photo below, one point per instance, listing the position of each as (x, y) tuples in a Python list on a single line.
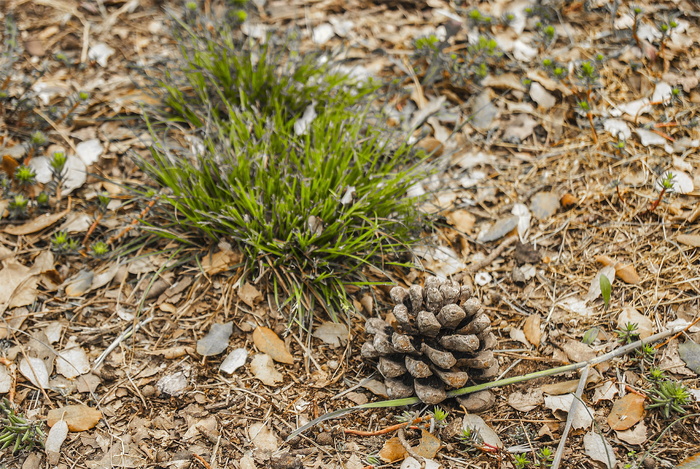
[(310, 202)]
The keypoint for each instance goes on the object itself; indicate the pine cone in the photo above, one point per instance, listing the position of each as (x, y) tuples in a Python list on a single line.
[(439, 339)]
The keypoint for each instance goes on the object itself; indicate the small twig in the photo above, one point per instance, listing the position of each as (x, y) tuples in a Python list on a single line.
[(494, 254), (383, 431), (409, 450), (570, 418), (201, 460), (123, 336), (658, 346)]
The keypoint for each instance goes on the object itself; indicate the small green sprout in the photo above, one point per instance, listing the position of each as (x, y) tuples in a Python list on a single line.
[(103, 200), (669, 396), (440, 415), (25, 176), (83, 95), (59, 241), (546, 456), (548, 32), (72, 246), (521, 461), (240, 15), (656, 374), (547, 63), (373, 461), (667, 182), (583, 105), (192, 6), (590, 335), (43, 199), (508, 18), (16, 432), (58, 163), (559, 73), (99, 249), (646, 353), (629, 334), (427, 42), (605, 289), (18, 206), (39, 138)]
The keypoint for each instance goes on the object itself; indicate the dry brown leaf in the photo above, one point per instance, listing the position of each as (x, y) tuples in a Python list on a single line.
[(626, 412), (634, 436), (36, 224), (79, 417), (267, 342), (249, 294), (689, 240), (625, 272), (629, 315), (220, 262), (462, 220), (532, 330), (264, 369), (392, 451), (428, 446)]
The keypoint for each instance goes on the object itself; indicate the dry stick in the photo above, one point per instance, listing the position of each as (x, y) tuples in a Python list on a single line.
[(570, 418), (494, 254), (409, 450), (494, 384)]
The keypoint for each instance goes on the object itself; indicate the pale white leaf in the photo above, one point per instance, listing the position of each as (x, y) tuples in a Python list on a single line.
[(322, 34), (617, 128), (54, 440), (263, 438), (524, 217), (216, 340), (5, 380), (411, 463), (648, 138), (72, 362), (541, 96), (263, 368), (89, 151), (100, 53), (301, 126), (34, 369), (598, 449), (332, 333), (582, 417), (234, 360), (173, 384), (75, 174), (476, 423)]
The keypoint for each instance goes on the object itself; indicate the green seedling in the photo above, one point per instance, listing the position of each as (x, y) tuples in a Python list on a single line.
[(656, 374), (99, 249), (18, 206), (43, 200), (669, 397), (440, 415), (25, 176), (667, 184), (545, 456), (16, 432), (59, 242), (520, 461), (605, 290), (629, 334)]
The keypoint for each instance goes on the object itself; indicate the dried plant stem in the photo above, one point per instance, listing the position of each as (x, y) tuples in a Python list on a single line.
[(570, 418), (495, 384)]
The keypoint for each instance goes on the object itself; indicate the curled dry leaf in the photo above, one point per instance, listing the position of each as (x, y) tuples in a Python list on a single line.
[(332, 333), (582, 417), (79, 417), (37, 223), (34, 369), (626, 412), (392, 451), (532, 330), (567, 200), (54, 440), (625, 272), (634, 436), (598, 449), (629, 315), (249, 294), (267, 342), (263, 368), (216, 340)]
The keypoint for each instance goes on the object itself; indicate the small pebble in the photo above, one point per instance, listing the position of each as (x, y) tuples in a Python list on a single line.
[(324, 438), (148, 391)]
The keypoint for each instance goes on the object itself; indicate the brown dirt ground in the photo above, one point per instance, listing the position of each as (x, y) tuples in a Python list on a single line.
[(210, 424)]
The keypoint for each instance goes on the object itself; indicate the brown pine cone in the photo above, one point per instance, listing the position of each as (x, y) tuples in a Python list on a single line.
[(438, 339)]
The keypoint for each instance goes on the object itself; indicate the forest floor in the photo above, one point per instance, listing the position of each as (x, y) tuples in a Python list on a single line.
[(535, 205)]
